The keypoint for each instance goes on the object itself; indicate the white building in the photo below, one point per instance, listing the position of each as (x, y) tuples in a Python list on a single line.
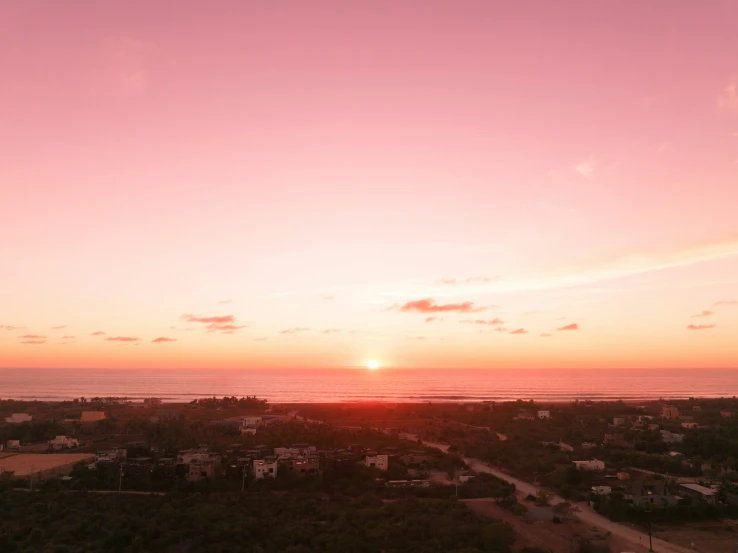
[(380, 462), (618, 421), (16, 418), (63, 442), (671, 437), (263, 469), (689, 425), (199, 470), (246, 430), (708, 495), (594, 464), (12, 444), (601, 490), (544, 414)]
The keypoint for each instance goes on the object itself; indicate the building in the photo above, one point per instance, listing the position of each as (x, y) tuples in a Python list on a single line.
[(601, 490), (137, 466), (200, 469), (669, 412), (618, 421), (166, 468), (659, 500), (414, 459), (671, 437), (617, 439), (696, 408), (623, 475), (380, 462), (12, 444), (543, 414), (263, 468), (246, 430), (689, 425), (565, 447), (167, 415), (725, 413), (594, 464), (16, 418), (305, 466), (408, 483), (152, 401), (92, 416), (708, 495), (63, 442), (524, 416)]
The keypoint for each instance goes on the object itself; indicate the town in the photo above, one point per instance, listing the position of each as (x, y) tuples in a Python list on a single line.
[(547, 470)]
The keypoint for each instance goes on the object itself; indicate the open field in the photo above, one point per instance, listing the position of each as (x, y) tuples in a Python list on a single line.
[(42, 464), (707, 537)]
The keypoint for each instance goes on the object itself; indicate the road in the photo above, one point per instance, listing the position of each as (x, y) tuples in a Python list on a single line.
[(586, 514)]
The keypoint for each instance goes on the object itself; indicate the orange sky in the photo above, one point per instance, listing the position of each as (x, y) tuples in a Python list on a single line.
[(424, 184)]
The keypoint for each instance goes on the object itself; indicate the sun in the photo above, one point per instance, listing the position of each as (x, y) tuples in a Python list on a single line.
[(372, 365)]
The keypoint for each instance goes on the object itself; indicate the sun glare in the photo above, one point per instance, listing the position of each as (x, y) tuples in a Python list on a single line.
[(372, 365)]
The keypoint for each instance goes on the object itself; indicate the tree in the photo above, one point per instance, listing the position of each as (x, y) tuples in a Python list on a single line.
[(565, 510)]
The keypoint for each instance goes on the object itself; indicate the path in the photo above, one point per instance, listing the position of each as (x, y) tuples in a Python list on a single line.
[(586, 514)]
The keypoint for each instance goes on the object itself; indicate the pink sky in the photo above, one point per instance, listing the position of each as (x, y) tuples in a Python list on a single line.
[(438, 184)]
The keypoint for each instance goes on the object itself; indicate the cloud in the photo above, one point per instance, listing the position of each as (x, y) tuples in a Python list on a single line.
[(98, 333), (121, 339), (67, 337), (126, 65), (429, 305), (519, 331), (64, 343), (492, 322), (430, 319), (221, 319), (180, 328), (587, 167), (700, 327), (224, 328), (705, 313), (327, 297), (331, 330), (546, 335), (225, 301), (728, 99), (572, 326), (34, 342), (163, 339), (724, 303), (58, 327), (501, 329), (32, 337), (293, 330), (472, 280), (9, 327)]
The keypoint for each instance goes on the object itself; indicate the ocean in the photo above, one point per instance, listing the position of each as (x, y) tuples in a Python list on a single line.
[(347, 385)]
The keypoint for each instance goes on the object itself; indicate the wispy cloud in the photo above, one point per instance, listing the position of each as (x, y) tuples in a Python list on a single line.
[(724, 303), (67, 337), (32, 337), (180, 328), (294, 330), (471, 280), (519, 331), (500, 329), (223, 302), (586, 168), (163, 339), (121, 339), (705, 313), (700, 327), (34, 342), (219, 319), (9, 327), (98, 333), (491, 322), (429, 305), (546, 335), (572, 326), (728, 98), (224, 328), (431, 319), (331, 331), (58, 327)]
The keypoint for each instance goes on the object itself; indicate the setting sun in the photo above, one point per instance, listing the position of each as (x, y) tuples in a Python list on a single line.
[(372, 365)]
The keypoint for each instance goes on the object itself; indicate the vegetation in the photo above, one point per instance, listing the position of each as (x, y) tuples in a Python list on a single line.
[(261, 523)]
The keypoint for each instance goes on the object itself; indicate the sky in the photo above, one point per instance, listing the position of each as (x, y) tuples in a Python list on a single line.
[(423, 184)]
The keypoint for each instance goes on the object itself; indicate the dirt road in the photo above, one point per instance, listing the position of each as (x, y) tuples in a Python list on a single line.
[(586, 514)]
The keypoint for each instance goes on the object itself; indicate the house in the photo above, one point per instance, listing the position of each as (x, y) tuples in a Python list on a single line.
[(63, 442), (464, 477), (565, 447), (601, 490), (543, 414), (524, 416), (671, 437), (263, 468), (708, 495), (623, 475), (588, 445), (200, 469), (137, 466), (152, 401), (380, 462), (617, 439), (725, 413), (696, 408), (92, 416), (12, 444), (250, 431), (594, 464), (167, 415), (653, 426), (689, 425), (415, 459), (305, 466), (618, 421), (16, 418), (660, 500), (669, 412)]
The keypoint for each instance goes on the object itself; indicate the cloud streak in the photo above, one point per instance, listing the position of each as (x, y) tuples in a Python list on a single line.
[(220, 319), (705, 313), (331, 331), (294, 330), (470, 281), (492, 322), (162, 340), (98, 333), (572, 326), (60, 327), (121, 339), (700, 327), (428, 305), (519, 331), (724, 303), (32, 337), (34, 342)]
